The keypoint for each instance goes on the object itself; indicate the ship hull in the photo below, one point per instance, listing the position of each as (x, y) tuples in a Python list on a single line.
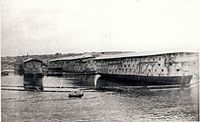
[(33, 74), (149, 80)]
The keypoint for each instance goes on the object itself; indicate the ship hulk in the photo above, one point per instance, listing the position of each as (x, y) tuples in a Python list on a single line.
[(163, 68)]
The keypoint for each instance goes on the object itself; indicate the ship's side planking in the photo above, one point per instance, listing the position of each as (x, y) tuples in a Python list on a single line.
[(149, 68), (73, 64), (157, 68)]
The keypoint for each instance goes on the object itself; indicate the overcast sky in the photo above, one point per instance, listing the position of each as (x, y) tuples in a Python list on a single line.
[(50, 26)]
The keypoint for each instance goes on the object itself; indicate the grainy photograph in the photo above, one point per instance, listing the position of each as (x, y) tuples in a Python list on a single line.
[(100, 60)]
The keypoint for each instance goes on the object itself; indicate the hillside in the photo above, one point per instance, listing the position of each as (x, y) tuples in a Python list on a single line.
[(8, 62)]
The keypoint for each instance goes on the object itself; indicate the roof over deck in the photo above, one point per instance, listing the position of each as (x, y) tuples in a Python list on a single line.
[(32, 59), (142, 54), (84, 56)]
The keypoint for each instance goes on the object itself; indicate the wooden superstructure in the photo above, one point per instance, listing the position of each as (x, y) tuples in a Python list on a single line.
[(33, 67), (157, 68), (72, 64), (149, 68)]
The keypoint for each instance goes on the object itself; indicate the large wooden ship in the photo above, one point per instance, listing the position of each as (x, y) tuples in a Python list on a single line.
[(152, 68), (163, 68), (80, 64)]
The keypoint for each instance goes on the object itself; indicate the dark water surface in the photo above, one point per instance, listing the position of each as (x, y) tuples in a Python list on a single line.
[(34, 103)]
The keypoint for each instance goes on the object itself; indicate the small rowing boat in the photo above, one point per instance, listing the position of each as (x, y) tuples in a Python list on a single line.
[(76, 94)]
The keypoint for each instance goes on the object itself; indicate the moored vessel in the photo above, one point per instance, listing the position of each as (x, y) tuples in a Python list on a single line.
[(76, 93), (152, 68), (72, 65)]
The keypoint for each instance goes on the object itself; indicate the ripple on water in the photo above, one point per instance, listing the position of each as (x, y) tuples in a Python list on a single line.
[(126, 105)]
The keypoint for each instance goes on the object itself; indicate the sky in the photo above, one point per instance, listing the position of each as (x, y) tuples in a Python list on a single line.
[(66, 26)]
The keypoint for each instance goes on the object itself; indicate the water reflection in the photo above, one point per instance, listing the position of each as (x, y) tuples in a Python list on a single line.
[(154, 103), (131, 105), (96, 81), (82, 80), (33, 83)]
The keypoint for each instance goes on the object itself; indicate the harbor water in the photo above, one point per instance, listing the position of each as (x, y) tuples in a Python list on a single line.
[(46, 99)]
